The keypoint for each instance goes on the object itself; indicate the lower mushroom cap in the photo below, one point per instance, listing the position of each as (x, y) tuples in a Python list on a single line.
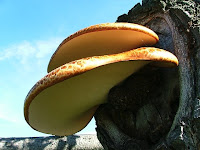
[(64, 101)]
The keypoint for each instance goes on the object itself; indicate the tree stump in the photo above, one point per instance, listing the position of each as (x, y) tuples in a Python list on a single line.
[(158, 108)]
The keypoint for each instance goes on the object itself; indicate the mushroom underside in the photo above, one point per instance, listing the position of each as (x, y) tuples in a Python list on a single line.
[(68, 106), (64, 101)]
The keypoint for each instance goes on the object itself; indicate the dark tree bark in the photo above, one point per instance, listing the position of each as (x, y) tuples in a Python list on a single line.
[(158, 108)]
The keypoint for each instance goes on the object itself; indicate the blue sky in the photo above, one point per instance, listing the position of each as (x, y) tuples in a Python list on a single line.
[(30, 32)]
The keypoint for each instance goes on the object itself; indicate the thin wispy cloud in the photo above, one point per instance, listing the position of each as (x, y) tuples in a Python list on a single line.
[(21, 52), (26, 50)]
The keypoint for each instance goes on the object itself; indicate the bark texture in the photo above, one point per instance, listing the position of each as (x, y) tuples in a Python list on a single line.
[(158, 108)]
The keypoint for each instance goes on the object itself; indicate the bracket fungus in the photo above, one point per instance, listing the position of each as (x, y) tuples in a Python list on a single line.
[(65, 100)]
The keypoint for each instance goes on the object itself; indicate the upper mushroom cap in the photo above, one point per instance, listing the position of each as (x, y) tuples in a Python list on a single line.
[(102, 39), (64, 101)]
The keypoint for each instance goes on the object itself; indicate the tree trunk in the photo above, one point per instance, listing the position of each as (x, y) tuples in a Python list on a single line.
[(158, 108)]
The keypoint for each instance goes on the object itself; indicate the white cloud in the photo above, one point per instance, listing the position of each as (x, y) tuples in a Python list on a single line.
[(20, 51), (27, 50)]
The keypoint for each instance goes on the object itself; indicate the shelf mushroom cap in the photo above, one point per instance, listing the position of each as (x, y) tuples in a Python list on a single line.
[(102, 39), (65, 100)]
